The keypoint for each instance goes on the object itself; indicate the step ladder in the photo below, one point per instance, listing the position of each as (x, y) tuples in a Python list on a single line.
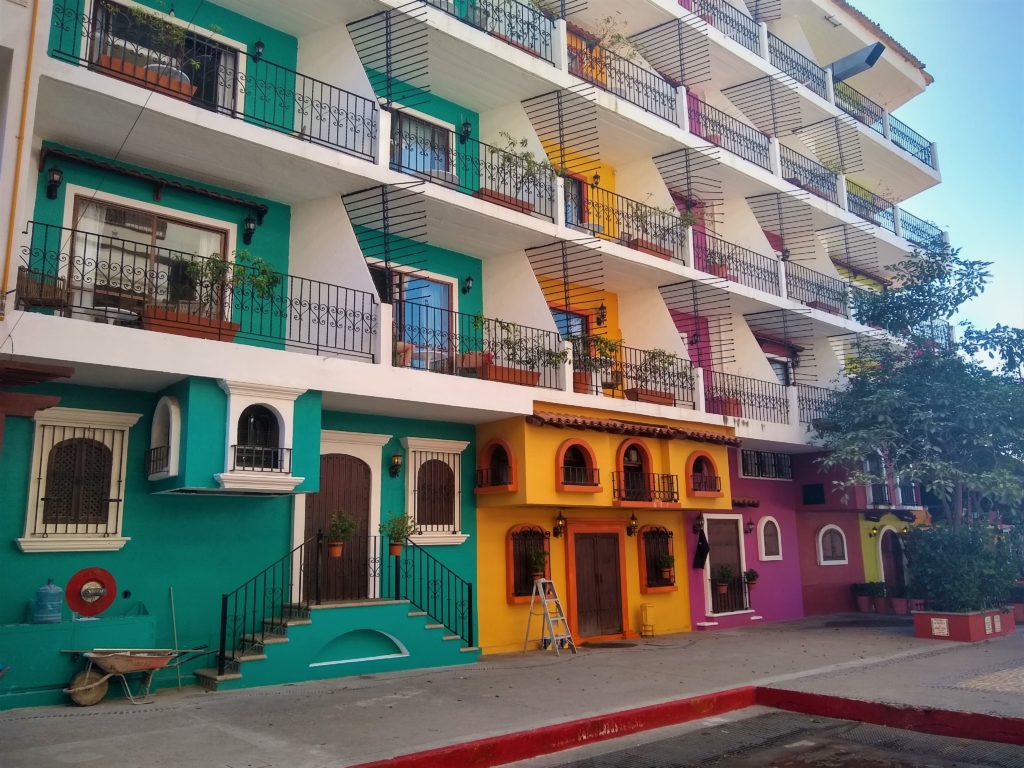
[(554, 631)]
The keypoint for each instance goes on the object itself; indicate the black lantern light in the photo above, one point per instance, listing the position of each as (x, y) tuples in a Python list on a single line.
[(54, 177), (257, 50), (559, 527), (396, 464), (249, 229)]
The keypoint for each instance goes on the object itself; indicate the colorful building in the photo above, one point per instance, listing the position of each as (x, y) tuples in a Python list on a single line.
[(457, 262)]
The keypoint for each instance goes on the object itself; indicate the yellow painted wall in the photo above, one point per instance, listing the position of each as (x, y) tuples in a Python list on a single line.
[(861, 281), (869, 544)]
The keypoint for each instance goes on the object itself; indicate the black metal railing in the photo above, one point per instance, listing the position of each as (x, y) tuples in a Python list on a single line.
[(522, 26), (475, 168), (489, 477), (645, 486), (878, 494), (725, 17), (870, 207), (580, 475), (938, 332), (818, 291), (260, 458), (657, 231), (729, 394), (434, 588), (809, 175), (733, 262), (793, 63), (859, 106), (110, 279), (735, 596), (909, 494), (622, 77), (726, 131), (814, 402), (646, 375), (705, 483), (921, 233), (910, 141), (154, 53), (157, 460), (454, 343)]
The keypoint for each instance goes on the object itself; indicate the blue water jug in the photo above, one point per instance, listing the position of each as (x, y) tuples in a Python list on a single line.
[(49, 600)]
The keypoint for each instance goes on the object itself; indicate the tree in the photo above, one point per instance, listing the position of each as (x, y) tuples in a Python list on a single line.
[(937, 415)]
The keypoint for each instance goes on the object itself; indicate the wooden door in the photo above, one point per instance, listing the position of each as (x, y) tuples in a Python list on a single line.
[(344, 486), (598, 584), (892, 560), (724, 540)]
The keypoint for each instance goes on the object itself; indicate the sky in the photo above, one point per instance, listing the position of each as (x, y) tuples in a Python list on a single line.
[(974, 112)]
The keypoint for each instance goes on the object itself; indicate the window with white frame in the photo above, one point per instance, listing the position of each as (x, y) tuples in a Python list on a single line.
[(769, 539), (76, 490), (832, 546), (906, 492), (434, 489), (164, 440)]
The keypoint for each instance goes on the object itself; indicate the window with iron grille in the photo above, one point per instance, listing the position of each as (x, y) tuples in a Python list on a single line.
[(765, 464), (523, 542), (435, 488), (656, 544), (76, 488)]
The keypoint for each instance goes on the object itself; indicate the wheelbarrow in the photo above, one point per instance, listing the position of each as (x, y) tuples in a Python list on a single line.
[(90, 686)]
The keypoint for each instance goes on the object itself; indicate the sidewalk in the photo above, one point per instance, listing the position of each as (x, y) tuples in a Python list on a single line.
[(354, 720)]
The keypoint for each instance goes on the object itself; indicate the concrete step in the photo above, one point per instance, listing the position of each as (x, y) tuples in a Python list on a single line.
[(209, 679), (469, 649), (417, 613), (451, 637), (433, 626)]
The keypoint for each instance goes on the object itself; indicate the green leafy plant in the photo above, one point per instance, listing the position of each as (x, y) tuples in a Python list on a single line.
[(750, 576), (861, 589), (1017, 593), (537, 559), (206, 279), (661, 369), (594, 353), (342, 527), (666, 561), (724, 574), (521, 350), (398, 528), (517, 168), (876, 589)]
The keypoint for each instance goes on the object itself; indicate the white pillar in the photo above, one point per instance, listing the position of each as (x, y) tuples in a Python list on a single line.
[(783, 288), (886, 128), (896, 220), (560, 46), (383, 350), (384, 138), (841, 187), (688, 254), (830, 91), (935, 157), (762, 40), (682, 112), (794, 406), (698, 389), (567, 369), (775, 156), (559, 201)]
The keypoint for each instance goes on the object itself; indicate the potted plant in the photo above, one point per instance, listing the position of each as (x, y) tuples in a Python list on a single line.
[(397, 529), (658, 378), (596, 354), (523, 355), (862, 595), (751, 576), (723, 578), (512, 175), (717, 263), (666, 563), (879, 601), (898, 599), (654, 230), (342, 527), (537, 559)]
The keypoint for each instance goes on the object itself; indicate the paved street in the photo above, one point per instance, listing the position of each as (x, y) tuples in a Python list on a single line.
[(353, 720)]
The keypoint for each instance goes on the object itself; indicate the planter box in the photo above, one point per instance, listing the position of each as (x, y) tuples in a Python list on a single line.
[(726, 406), (581, 383), (1018, 612), (501, 198), (964, 627), (184, 324), (832, 309), (646, 246), (643, 395), (493, 372), (157, 79)]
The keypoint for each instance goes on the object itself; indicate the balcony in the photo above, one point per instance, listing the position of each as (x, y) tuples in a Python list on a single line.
[(793, 63), (813, 401), (578, 476), (645, 487), (100, 278), (870, 207), (735, 263), (457, 344), (647, 376), (729, 133), (473, 168), (910, 141), (733, 598), (522, 26), (817, 291), (859, 106), (656, 231), (622, 77), (143, 49), (259, 458), (729, 394), (493, 477), (805, 173), (919, 232), (728, 20), (157, 460), (702, 483)]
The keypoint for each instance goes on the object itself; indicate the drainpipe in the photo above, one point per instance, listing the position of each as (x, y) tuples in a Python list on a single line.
[(18, 157)]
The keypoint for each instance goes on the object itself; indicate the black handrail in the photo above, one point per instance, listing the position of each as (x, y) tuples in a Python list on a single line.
[(519, 25), (856, 104), (733, 262), (260, 458), (160, 56), (736, 596), (93, 276), (813, 401), (575, 475), (635, 374), (656, 231), (793, 63), (627, 80), (726, 131), (706, 483), (870, 207), (730, 394), (645, 486), (726, 18), (810, 175), (817, 290), (921, 233), (157, 459), (910, 141), (434, 588)]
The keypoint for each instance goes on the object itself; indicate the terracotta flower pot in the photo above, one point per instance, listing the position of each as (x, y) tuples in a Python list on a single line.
[(751, 585), (900, 605), (723, 587), (538, 575), (395, 549), (863, 603), (915, 604), (335, 548), (881, 604), (666, 574)]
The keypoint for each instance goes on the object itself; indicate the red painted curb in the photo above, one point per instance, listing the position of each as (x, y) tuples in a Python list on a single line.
[(941, 722), (521, 745)]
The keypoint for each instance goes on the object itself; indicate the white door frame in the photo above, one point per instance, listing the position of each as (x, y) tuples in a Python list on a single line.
[(738, 518)]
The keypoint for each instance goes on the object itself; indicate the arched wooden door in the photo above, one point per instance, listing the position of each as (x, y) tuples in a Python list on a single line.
[(344, 486), (892, 559)]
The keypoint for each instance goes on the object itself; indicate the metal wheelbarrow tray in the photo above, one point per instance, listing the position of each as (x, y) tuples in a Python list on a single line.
[(90, 686)]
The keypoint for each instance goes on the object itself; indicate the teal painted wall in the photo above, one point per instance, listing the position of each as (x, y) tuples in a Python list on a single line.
[(201, 546)]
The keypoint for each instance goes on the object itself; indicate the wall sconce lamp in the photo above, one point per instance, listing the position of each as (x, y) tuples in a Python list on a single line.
[(698, 524), (559, 527), (597, 179), (785, 254), (249, 228), (257, 50), (54, 177), (396, 464), (467, 285), (748, 527), (906, 530), (873, 532), (467, 127), (602, 315), (632, 525)]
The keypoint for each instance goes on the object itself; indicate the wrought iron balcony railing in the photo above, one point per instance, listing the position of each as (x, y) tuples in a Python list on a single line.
[(813, 402), (143, 49), (490, 477), (706, 483), (921, 233), (653, 376), (157, 460), (458, 344), (109, 279), (726, 131), (736, 596), (733, 262), (657, 231), (580, 475), (793, 63), (856, 104), (645, 486), (727, 19), (476, 169), (260, 458), (870, 206), (522, 26), (809, 175), (910, 141), (816, 290), (732, 395), (626, 79)]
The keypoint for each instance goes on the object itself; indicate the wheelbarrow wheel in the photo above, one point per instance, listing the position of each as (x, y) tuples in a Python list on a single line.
[(88, 688)]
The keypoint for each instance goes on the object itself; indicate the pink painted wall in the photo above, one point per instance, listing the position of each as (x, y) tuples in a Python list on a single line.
[(806, 470), (826, 588)]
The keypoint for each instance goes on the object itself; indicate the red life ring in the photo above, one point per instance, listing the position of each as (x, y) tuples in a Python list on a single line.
[(91, 591)]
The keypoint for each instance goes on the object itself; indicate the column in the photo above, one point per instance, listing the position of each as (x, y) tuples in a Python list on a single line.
[(384, 349), (841, 187), (698, 390), (762, 40), (681, 109), (830, 91), (886, 129), (567, 369), (560, 46), (688, 255), (775, 156), (383, 138)]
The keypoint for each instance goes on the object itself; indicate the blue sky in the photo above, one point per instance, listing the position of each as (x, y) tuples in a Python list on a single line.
[(974, 111)]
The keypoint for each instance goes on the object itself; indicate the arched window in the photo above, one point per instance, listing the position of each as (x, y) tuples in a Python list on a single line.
[(769, 539), (635, 474), (832, 546), (522, 544), (576, 468), (258, 439), (496, 470), (656, 572), (164, 438), (78, 474), (435, 496), (702, 477)]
